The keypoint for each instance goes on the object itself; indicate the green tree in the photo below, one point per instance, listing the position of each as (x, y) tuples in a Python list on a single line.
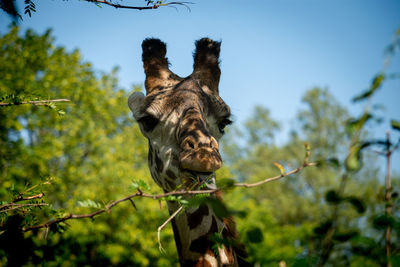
[(292, 213), (92, 153)]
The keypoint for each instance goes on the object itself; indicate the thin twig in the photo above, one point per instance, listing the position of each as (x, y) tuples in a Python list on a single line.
[(35, 102), (105, 2), (21, 199), (18, 206), (163, 225), (28, 198), (276, 177)]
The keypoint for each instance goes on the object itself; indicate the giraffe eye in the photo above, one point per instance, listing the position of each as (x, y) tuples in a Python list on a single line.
[(222, 124), (148, 122)]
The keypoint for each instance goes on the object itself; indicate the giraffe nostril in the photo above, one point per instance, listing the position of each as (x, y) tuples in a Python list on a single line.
[(190, 144)]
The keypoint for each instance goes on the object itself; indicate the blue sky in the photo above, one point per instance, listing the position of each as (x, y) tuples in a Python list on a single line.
[(272, 51)]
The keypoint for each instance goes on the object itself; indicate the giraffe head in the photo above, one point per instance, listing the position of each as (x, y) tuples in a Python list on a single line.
[(183, 118)]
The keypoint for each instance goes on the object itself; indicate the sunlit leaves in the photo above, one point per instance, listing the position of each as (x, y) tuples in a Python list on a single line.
[(94, 149), (139, 184), (89, 204)]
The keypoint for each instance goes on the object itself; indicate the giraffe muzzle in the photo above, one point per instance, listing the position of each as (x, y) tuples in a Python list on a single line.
[(200, 155), (200, 160)]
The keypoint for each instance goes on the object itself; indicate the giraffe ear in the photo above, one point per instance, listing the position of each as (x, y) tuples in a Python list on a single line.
[(158, 75), (135, 101), (206, 63)]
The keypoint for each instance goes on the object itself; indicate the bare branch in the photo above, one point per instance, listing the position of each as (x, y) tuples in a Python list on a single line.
[(36, 102), (155, 6), (139, 193)]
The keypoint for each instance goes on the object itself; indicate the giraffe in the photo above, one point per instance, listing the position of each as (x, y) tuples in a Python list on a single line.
[(183, 119)]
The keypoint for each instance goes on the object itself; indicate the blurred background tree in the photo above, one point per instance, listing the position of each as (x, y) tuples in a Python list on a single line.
[(88, 152)]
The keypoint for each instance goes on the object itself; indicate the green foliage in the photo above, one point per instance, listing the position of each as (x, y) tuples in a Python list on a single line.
[(93, 151)]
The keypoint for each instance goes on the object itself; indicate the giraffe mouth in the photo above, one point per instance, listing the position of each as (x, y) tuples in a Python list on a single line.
[(200, 176)]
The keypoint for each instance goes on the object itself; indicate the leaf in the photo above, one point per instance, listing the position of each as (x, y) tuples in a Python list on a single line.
[(357, 203), (343, 237), (89, 204), (353, 159), (198, 200), (332, 197), (333, 162), (383, 221), (395, 125), (376, 83), (280, 167), (139, 184), (255, 235), (355, 125), (218, 207)]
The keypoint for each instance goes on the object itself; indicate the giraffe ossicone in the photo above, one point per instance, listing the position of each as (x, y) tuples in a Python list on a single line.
[(183, 119)]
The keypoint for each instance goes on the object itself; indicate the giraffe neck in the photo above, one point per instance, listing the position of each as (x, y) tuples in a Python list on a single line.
[(194, 226), (193, 229)]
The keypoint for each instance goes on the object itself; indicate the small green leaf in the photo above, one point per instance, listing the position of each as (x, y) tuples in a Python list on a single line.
[(89, 204), (139, 184)]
